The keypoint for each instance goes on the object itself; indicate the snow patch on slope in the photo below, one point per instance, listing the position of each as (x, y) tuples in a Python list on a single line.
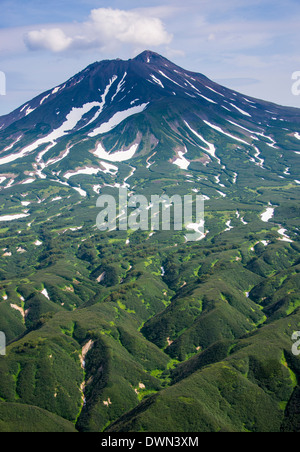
[(181, 161), (268, 214), (13, 217), (117, 119), (119, 156), (218, 129), (211, 148), (72, 120)]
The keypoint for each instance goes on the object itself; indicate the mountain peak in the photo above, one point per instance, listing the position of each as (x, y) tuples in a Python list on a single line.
[(149, 57), (148, 132)]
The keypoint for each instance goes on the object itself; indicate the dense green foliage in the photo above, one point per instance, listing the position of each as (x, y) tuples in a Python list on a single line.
[(181, 352)]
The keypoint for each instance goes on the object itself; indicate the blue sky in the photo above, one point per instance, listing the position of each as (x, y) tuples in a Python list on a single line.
[(250, 46)]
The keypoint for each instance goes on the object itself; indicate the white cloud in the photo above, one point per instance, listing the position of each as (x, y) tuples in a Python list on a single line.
[(52, 39), (129, 27), (106, 27)]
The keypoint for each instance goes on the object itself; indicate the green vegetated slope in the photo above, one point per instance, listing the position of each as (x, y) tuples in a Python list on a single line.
[(102, 339), (17, 418)]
